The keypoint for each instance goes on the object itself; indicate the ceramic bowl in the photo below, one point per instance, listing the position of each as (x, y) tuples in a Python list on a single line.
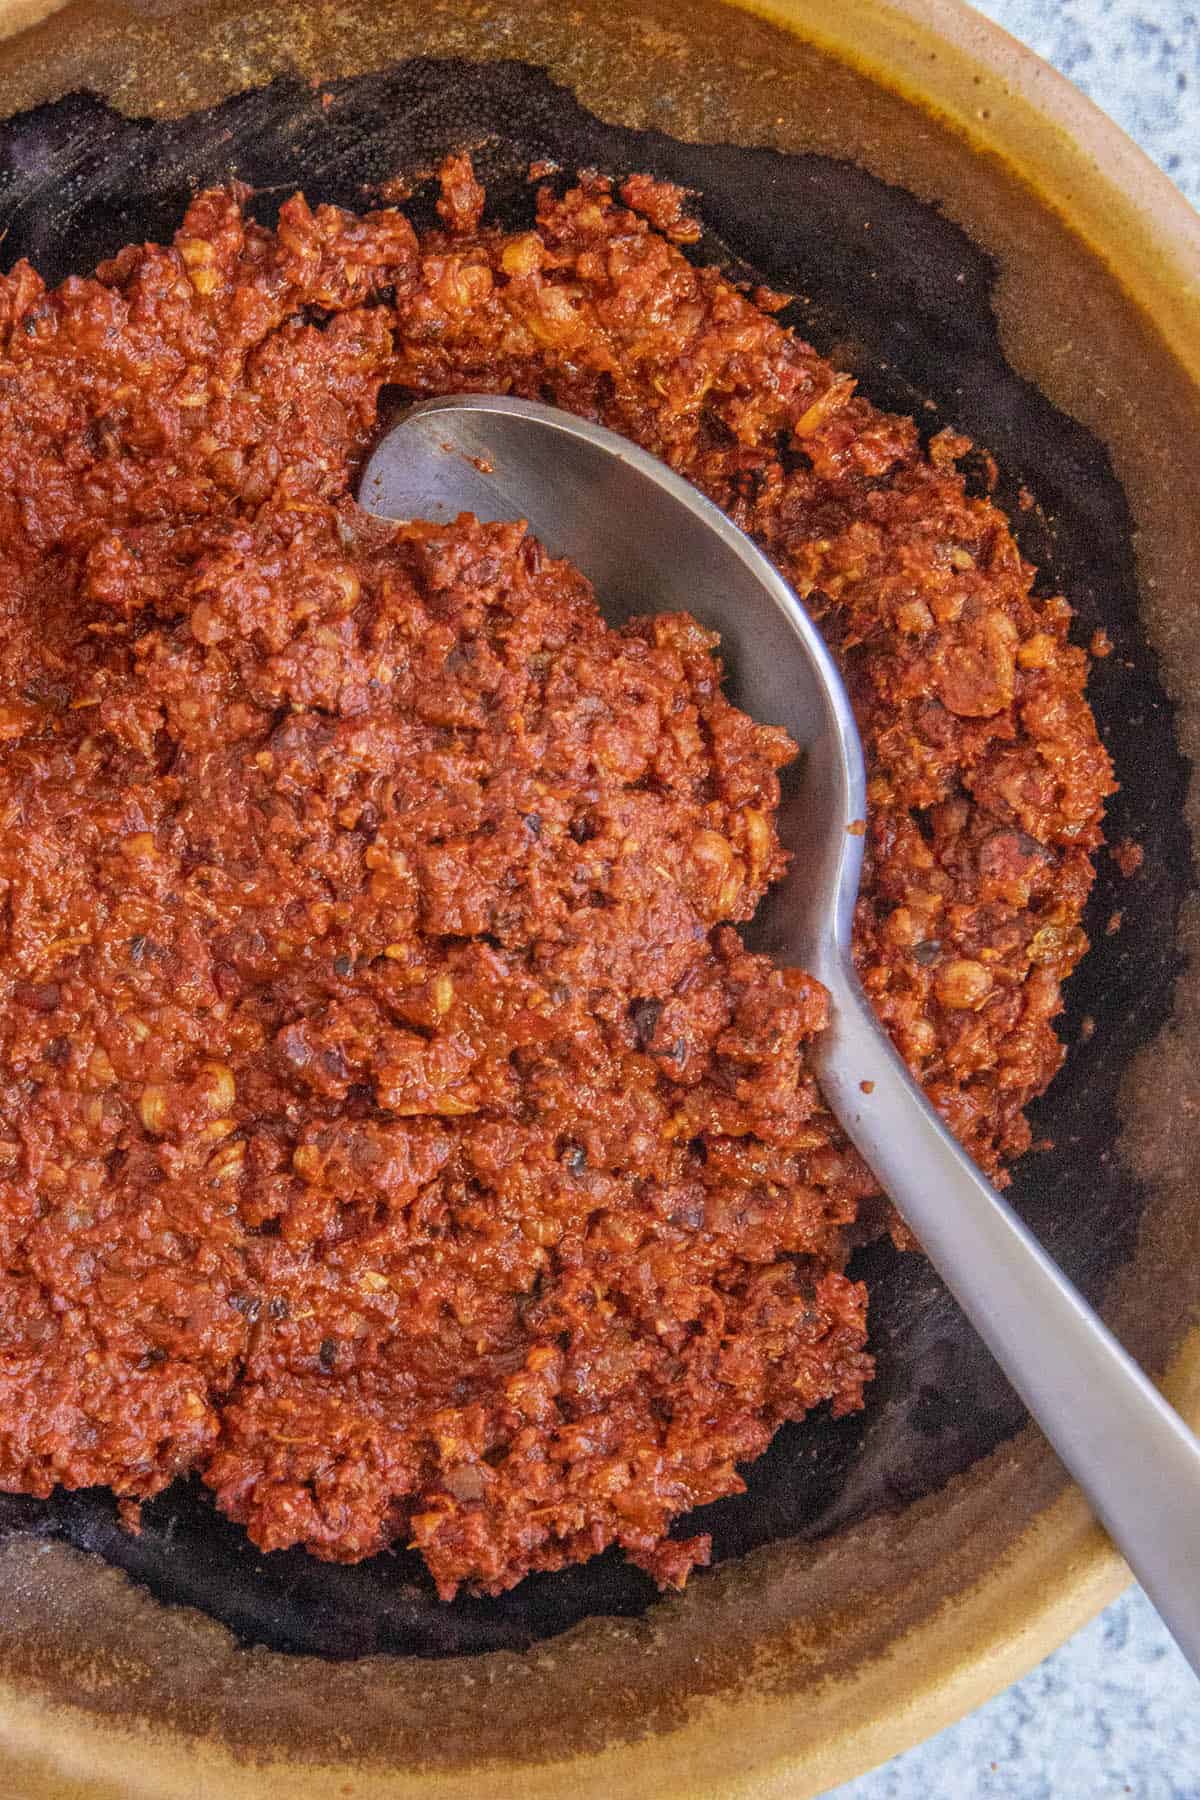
[(981, 248)]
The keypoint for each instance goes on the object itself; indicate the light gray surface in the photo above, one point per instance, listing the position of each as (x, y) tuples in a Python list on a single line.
[(1116, 1711)]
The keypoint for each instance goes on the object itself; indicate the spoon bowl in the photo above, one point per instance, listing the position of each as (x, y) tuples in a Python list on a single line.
[(650, 542)]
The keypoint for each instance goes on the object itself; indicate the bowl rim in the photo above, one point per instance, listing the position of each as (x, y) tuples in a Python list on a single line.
[(1077, 161)]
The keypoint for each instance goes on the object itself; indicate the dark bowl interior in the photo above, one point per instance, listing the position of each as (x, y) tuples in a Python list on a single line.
[(890, 289)]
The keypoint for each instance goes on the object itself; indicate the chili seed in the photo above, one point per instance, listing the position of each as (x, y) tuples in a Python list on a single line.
[(645, 1015)]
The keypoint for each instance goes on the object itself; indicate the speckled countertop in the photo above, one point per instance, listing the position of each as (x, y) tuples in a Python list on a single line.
[(1116, 1711)]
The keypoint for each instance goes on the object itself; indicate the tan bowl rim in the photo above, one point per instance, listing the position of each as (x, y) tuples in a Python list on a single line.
[(936, 54), (1064, 146)]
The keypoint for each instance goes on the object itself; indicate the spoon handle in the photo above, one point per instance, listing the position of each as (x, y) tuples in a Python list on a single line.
[(1130, 1452)]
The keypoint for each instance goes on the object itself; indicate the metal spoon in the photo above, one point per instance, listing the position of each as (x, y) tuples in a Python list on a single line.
[(649, 542)]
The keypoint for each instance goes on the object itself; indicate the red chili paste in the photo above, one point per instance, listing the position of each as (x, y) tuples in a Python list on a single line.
[(393, 1128)]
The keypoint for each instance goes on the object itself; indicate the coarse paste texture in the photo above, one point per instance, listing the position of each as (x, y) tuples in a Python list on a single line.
[(395, 1129)]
